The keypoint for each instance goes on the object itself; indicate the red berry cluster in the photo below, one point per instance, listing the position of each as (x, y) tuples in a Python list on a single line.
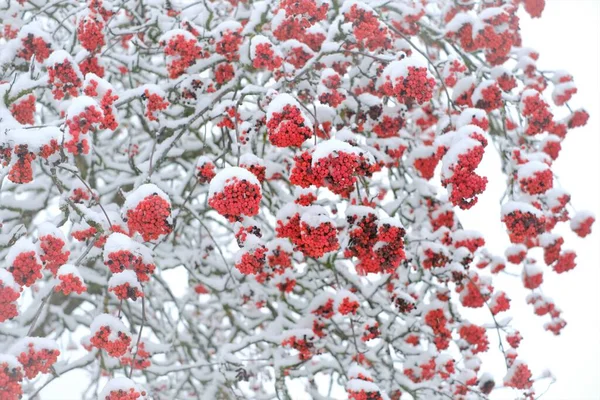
[(537, 112), (229, 45), (142, 358), (265, 57), (338, 172), (34, 46), (303, 346), (239, 197), (24, 110), (91, 65), (491, 98), (378, 248), (126, 291), (11, 376), (121, 394), (315, 241), (106, 104), (26, 269), (53, 252), (287, 128), (252, 261), (475, 336), (70, 283), (205, 172), (437, 320), (371, 331), (475, 292), (538, 183), (388, 126), (8, 297), (185, 52), (150, 218), (417, 86), (115, 348), (81, 124), (90, 33), (36, 361), (224, 73), (64, 80), (154, 103), (519, 376), (122, 260), (426, 165), (367, 29), (348, 306), (523, 225), (534, 7), (22, 171), (465, 184)]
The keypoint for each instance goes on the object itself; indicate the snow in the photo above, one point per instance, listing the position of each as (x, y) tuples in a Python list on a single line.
[(332, 146), (467, 115), (112, 322), (357, 385), (34, 138), (126, 276), (10, 360), (249, 159), (39, 343), (117, 384), (260, 39), (280, 101), (451, 158), (167, 36), (462, 86), (399, 69), (227, 176), (59, 57), (515, 249), (118, 241), (7, 280), (135, 197), (513, 206), (478, 92), (80, 105), (355, 370), (69, 269), (531, 168), (23, 245), (287, 211), (314, 216), (580, 217)]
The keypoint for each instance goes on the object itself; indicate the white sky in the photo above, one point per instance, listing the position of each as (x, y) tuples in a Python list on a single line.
[(567, 37)]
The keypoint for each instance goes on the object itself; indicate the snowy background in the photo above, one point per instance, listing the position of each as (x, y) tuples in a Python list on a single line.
[(567, 37)]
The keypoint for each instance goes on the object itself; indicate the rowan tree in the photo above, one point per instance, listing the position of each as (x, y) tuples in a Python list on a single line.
[(302, 164)]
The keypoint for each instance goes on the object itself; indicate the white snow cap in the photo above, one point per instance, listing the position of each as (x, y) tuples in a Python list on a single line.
[(529, 169), (67, 269), (513, 206), (314, 216), (280, 101), (399, 69), (116, 384), (23, 245), (227, 176), (327, 147), (139, 194), (118, 241), (126, 276), (7, 280), (113, 323)]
